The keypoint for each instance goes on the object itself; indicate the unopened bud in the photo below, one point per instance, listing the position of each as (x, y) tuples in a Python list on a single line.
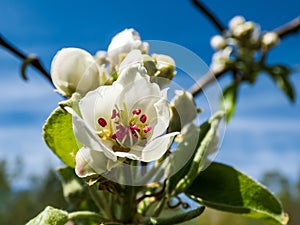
[(75, 70), (270, 39), (235, 21), (218, 42), (243, 30)]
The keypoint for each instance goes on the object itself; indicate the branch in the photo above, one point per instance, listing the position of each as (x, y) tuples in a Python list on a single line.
[(27, 59), (290, 27), (283, 31), (210, 15)]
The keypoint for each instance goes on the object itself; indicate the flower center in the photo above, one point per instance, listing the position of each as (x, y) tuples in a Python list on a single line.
[(125, 128)]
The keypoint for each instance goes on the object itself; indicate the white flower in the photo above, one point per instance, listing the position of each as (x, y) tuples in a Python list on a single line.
[(220, 60), (125, 120), (218, 42), (123, 43), (75, 70)]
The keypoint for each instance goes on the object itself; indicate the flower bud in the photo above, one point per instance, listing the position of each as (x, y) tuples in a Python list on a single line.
[(123, 43), (165, 69), (270, 39), (218, 42), (235, 21), (243, 30), (75, 70), (220, 60)]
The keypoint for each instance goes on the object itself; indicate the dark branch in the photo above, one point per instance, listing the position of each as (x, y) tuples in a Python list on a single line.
[(35, 62), (213, 19), (291, 27), (208, 78)]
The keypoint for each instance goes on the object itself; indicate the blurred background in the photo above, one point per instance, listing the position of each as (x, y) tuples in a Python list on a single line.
[(263, 138)]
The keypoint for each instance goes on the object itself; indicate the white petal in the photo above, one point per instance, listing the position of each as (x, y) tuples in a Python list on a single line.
[(99, 104), (162, 120), (88, 137), (74, 69), (123, 43), (138, 91), (156, 148), (134, 57), (185, 106), (90, 162)]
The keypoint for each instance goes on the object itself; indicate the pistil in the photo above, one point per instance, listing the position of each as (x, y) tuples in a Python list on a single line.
[(125, 130)]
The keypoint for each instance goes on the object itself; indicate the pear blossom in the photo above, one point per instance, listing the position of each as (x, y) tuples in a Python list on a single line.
[(123, 43), (127, 119), (75, 70)]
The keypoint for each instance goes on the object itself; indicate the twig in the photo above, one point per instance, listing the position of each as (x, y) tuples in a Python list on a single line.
[(210, 15), (34, 61), (206, 79), (283, 31), (291, 27)]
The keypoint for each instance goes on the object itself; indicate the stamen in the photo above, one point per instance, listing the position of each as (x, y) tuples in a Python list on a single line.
[(137, 111), (102, 122), (143, 118), (114, 114), (134, 128), (147, 129)]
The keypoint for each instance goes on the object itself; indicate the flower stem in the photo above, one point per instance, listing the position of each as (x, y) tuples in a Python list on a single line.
[(86, 215)]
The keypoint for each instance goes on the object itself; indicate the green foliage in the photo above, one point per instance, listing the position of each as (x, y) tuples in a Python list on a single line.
[(225, 188), (50, 216), (59, 136), (18, 206), (75, 190), (280, 75), (229, 100)]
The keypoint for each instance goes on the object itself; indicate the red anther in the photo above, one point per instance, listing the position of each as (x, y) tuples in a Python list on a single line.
[(143, 118), (114, 136), (134, 128), (102, 122), (137, 111), (147, 129), (114, 114)]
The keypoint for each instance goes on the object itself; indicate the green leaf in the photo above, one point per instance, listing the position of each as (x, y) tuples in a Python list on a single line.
[(280, 74), (201, 142), (224, 188), (229, 100), (50, 216), (58, 135)]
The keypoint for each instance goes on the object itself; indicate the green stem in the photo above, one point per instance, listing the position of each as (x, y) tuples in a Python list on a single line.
[(175, 219), (129, 204), (101, 204), (86, 215)]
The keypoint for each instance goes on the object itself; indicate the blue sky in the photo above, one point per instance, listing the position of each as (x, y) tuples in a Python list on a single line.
[(263, 135)]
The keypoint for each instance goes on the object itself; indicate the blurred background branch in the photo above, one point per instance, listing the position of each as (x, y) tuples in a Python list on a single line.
[(27, 59)]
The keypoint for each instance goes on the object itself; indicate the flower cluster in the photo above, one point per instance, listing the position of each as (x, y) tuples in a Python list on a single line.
[(76, 70), (239, 45), (123, 113)]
